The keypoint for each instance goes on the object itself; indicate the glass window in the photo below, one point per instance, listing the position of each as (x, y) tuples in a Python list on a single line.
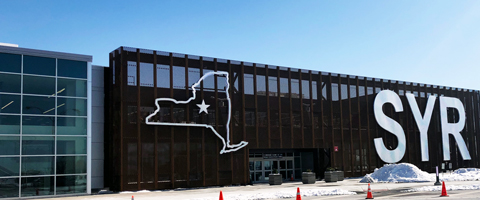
[(71, 87), (272, 86), (37, 186), (71, 164), (314, 90), (40, 165), (334, 92), (38, 65), (222, 83), (9, 124), (9, 103), (71, 68), (38, 85), (261, 90), (132, 73), (71, 145), (248, 83), (9, 187), (193, 76), (38, 125), (9, 166), (163, 76), (146, 74), (209, 82), (305, 89), (178, 77), (295, 88), (284, 87), (38, 105), (71, 184), (9, 145), (10, 62), (10, 83), (73, 107), (38, 145), (72, 126)]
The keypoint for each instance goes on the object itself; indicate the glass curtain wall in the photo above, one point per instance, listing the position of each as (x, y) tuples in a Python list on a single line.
[(43, 126)]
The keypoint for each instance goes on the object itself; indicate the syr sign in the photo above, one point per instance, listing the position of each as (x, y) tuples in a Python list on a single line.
[(387, 123)]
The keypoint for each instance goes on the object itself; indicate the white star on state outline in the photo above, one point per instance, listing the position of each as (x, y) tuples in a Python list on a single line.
[(203, 107)]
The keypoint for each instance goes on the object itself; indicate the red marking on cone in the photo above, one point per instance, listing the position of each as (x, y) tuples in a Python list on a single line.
[(444, 190), (369, 193), (221, 195), (299, 197), (133, 198)]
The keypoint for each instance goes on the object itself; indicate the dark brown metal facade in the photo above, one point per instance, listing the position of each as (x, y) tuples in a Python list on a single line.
[(272, 108)]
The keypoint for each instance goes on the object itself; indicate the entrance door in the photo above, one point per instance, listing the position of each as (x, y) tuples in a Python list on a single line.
[(261, 168), (285, 167)]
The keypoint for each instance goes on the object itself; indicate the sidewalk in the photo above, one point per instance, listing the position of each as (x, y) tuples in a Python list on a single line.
[(261, 191)]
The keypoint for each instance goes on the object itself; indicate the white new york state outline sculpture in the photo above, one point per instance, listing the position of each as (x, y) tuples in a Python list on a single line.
[(232, 147)]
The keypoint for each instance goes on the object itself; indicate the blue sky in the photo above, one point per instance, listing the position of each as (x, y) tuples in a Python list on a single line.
[(434, 42)]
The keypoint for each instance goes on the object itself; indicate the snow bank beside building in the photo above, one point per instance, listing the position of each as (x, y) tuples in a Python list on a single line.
[(407, 173), (462, 174), (398, 173)]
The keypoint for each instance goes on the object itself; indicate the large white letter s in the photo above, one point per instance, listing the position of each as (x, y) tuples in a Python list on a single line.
[(390, 125)]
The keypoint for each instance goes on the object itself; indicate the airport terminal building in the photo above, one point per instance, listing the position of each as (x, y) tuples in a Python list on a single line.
[(161, 120)]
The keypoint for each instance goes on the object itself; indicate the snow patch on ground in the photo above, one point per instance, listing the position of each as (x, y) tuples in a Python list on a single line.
[(398, 173), (439, 188), (282, 195), (462, 174)]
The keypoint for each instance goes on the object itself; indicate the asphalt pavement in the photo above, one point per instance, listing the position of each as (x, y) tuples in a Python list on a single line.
[(380, 191)]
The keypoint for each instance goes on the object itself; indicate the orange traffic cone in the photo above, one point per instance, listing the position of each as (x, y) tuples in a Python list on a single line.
[(221, 195), (369, 193), (299, 197), (444, 190)]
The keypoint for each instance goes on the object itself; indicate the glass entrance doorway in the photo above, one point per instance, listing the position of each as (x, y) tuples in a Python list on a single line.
[(261, 167)]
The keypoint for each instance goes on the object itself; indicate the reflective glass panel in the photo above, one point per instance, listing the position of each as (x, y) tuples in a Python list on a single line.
[(71, 184), (258, 165), (38, 105), (163, 76), (71, 164), (71, 87), (9, 145), (71, 68), (193, 76), (146, 74), (38, 145), (9, 103), (39, 65), (37, 186), (9, 124), (38, 125), (71, 126), (9, 187), (10, 83), (73, 107), (38, 85), (40, 165), (9, 166), (178, 77), (71, 145), (10, 63)]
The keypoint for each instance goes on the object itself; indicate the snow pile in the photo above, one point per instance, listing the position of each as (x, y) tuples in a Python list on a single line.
[(129, 192), (398, 173), (439, 188), (283, 195), (462, 174)]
